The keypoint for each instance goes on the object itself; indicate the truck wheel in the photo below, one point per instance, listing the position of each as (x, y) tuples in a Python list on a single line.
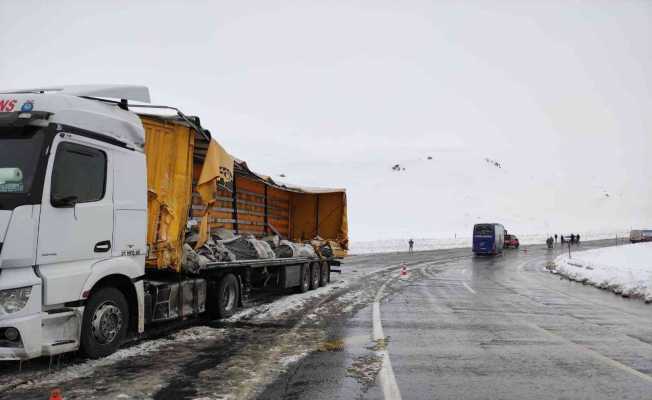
[(314, 275), (324, 271), (305, 278), (105, 323), (228, 293)]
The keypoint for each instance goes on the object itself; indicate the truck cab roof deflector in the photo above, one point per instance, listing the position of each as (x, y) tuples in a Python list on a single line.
[(126, 92)]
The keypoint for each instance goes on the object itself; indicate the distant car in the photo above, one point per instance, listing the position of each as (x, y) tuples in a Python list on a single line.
[(640, 235), (511, 241)]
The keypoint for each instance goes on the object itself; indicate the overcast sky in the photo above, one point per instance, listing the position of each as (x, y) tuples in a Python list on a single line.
[(295, 86)]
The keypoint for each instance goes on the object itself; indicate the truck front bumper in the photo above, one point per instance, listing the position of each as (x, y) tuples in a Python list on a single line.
[(29, 344)]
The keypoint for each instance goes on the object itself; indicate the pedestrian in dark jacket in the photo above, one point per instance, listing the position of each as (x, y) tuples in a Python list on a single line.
[(572, 238), (562, 239), (549, 242), (555, 238), (411, 243)]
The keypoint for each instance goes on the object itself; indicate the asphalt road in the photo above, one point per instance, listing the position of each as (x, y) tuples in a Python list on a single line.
[(464, 327), (457, 326)]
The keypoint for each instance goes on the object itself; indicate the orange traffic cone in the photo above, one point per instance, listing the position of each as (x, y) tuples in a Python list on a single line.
[(404, 271), (55, 394)]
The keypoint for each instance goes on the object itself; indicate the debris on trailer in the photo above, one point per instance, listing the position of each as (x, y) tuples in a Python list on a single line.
[(223, 234), (287, 249), (216, 251), (249, 248), (192, 262), (327, 248), (273, 241)]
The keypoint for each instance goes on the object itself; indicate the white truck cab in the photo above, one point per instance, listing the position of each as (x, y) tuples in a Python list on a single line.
[(73, 220)]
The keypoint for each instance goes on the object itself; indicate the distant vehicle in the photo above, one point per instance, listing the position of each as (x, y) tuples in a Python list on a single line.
[(640, 235), (488, 238), (511, 241)]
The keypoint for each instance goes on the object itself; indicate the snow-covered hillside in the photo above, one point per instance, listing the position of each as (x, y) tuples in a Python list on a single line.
[(442, 198)]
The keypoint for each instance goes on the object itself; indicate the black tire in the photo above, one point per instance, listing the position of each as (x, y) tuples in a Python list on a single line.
[(305, 278), (227, 297), (324, 270), (314, 275), (105, 323)]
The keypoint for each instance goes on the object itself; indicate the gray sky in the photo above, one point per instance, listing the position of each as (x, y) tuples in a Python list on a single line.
[(561, 89)]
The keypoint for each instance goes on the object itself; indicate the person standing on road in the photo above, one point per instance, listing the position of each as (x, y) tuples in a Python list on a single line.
[(411, 243), (572, 238), (555, 238), (577, 239), (562, 238)]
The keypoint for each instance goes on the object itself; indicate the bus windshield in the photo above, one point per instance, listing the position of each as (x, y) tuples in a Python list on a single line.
[(483, 229)]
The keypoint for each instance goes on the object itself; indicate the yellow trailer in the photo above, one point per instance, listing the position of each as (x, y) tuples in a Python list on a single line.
[(192, 178)]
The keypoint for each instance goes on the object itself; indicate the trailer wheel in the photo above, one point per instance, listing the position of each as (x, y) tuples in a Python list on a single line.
[(314, 275), (226, 302), (305, 278), (105, 323), (324, 272), (328, 272)]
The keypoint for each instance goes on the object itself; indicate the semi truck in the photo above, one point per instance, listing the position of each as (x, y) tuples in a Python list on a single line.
[(99, 193)]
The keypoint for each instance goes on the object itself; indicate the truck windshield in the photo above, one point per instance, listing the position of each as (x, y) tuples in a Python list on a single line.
[(21, 151)]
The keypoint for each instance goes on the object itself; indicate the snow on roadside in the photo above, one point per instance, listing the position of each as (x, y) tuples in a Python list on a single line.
[(288, 303), (625, 270), (87, 368), (272, 310)]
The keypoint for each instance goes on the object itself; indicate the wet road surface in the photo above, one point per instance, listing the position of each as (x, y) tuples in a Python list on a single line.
[(484, 328), (456, 327)]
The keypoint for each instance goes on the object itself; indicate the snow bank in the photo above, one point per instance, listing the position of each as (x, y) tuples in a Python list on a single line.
[(423, 244), (625, 270)]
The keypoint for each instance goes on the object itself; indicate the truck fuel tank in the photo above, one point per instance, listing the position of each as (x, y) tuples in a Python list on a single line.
[(167, 300)]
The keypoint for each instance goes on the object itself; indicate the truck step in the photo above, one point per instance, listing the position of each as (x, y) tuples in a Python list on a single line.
[(61, 331), (60, 346)]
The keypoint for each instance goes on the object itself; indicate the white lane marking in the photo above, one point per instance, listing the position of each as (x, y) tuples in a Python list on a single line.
[(597, 355), (386, 374), (469, 288)]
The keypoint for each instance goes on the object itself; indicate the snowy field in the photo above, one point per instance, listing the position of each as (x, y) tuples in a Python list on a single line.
[(625, 270), (422, 244)]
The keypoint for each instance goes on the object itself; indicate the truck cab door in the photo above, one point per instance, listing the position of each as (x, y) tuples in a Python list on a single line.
[(76, 222)]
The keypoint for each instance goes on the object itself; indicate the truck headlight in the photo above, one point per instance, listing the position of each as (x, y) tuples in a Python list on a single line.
[(14, 300)]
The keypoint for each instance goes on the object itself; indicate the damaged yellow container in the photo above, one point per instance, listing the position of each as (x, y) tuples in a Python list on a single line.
[(190, 178)]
